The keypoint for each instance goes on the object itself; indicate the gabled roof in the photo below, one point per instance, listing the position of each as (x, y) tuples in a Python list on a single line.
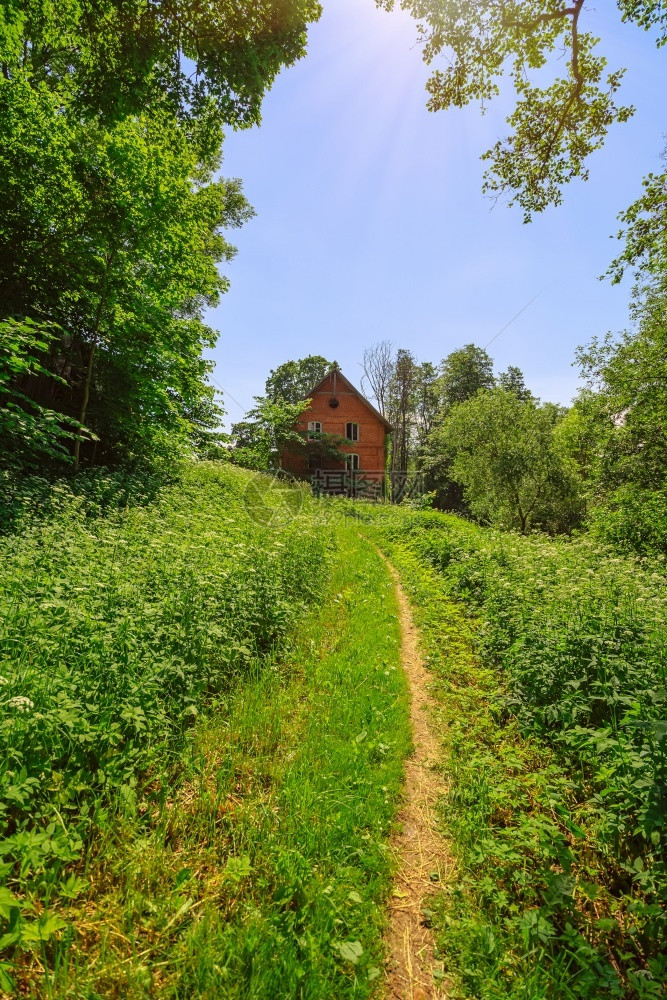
[(339, 375)]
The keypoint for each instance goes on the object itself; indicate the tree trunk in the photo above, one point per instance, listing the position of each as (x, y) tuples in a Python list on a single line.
[(84, 403), (91, 357)]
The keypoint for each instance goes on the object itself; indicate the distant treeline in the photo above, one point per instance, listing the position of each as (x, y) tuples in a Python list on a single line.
[(488, 447)]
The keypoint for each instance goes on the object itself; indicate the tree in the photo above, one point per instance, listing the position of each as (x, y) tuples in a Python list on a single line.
[(31, 435), (379, 368), (427, 399), (463, 373), (111, 219), (645, 231), (293, 380), (486, 44), (505, 455), (113, 232), (401, 409), (269, 428), (629, 378), (513, 381), (123, 57)]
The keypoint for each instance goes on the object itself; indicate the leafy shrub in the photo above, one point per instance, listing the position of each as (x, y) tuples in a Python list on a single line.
[(31, 435), (632, 519), (579, 637), (117, 624)]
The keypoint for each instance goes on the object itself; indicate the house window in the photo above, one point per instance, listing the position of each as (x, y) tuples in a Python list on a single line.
[(314, 428), (352, 432), (352, 463)]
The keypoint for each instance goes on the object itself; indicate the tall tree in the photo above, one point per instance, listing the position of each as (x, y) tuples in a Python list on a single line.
[(427, 399), (512, 380), (506, 456), (120, 57), (293, 380), (463, 373), (378, 371), (483, 46), (113, 231), (401, 410), (111, 116)]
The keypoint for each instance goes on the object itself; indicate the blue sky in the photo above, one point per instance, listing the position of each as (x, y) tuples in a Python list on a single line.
[(371, 223)]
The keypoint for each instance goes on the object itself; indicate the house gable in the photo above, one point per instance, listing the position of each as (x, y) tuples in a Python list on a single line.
[(334, 382), (335, 405)]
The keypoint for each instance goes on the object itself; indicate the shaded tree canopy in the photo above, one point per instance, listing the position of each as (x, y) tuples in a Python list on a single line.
[(117, 56), (113, 232), (559, 118)]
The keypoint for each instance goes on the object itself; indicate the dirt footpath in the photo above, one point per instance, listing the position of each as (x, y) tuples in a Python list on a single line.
[(424, 862)]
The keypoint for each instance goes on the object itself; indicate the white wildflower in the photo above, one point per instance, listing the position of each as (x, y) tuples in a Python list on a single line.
[(21, 703), (3, 680)]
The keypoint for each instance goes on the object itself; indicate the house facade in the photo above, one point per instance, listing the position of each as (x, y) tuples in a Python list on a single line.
[(360, 432)]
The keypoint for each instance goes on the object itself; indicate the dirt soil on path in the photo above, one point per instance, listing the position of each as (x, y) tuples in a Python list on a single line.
[(424, 862)]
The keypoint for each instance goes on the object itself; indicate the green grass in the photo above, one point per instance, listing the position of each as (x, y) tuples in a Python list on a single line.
[(239, 848), (551, 664)]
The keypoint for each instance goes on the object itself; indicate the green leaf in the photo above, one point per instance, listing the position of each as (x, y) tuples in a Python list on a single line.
[(350, 951), (7, 984), (7, 902)]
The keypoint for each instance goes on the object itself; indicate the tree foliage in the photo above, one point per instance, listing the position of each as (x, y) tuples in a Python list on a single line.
[(116, 57), (629, 375), (506, 456), (293, 380), (644, 231), (559, 118), (512, 380), (112, 212), (114, 233), (270, 426), (268, 429), (31, 435), (463, 373)]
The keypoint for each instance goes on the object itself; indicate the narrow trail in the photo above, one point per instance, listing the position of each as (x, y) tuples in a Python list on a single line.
[(424, 861)]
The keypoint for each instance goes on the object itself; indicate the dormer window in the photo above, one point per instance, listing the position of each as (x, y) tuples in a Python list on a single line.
[(352, 432), (314, 428)]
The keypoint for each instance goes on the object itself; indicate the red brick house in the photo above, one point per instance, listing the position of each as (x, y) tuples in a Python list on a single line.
[(339, 409)]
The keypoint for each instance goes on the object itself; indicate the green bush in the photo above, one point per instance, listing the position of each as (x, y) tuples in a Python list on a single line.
[(632, 519), (578, 635), (117, 623)]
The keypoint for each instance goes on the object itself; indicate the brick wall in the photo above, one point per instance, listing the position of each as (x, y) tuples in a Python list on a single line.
[(372, 431)]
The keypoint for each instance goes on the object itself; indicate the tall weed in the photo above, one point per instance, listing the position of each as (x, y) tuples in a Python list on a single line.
[(578, 636), (117, 624)]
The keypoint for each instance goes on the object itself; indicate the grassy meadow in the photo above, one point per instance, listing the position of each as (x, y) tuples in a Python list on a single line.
[(550, 659), (204, 721), (203, 729)]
